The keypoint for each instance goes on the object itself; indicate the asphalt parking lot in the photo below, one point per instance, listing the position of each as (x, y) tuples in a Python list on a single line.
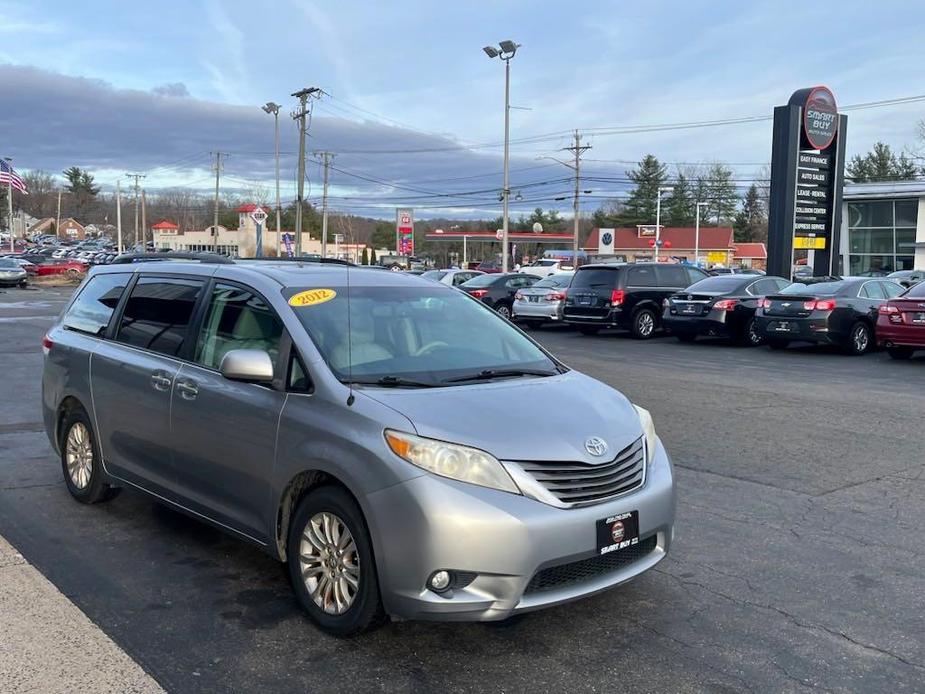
[(799, 558)]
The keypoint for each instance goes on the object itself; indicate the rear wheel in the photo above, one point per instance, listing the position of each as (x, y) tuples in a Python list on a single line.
[(80, 460), (750, 336), (644, 324), (686, 337), (588, 329), (504, 310), (859, 339), (331, 564), (899, 352), (778, 344)]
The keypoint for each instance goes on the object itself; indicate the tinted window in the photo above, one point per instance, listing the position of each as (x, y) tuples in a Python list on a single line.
[(554, 281), (695, 274), (521, 282), (721, 285), (237, 319), (763, 287), (641, 277), (891, 289), (671, 276), (298, 380), (7, 262), (483, 281), (158, 313), (461, 277), (595, 278), (91, 311), (916, 292), (872, 290), (816, 289)]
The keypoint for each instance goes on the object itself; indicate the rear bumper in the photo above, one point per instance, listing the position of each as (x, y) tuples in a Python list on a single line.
[(614, 317), (430, 523), (714, 323), (808, 329), (891, 334), (547, 311)]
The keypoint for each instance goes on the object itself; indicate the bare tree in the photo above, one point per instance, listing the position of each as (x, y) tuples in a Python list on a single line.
[(43, 193)]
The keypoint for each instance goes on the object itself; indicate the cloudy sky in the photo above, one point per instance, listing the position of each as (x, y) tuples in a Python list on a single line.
[(413, 107)]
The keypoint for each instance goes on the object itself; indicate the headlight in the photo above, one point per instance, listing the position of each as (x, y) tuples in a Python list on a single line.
[(450, 460), (648, 428)]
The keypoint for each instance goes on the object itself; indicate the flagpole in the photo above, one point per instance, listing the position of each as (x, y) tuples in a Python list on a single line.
[(9, 196)]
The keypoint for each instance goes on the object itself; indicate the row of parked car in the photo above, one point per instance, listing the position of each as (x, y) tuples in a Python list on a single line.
[(854, 313)]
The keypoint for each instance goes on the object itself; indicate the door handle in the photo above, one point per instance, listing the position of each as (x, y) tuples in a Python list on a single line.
[(188, 390), (160, 382)]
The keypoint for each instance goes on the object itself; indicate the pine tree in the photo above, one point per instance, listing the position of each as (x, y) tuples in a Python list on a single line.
[(880, 164), (721, 194), (751, 223), (680, 204), (364, 260), (648, 176), (372, 257)]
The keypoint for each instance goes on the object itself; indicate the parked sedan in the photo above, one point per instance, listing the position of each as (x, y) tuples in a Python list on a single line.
[(543, 301), (839, 312), (11, 274), (901, 323), (497, 290), (453, 277), (907, 278), (721, 306), (69, 267)]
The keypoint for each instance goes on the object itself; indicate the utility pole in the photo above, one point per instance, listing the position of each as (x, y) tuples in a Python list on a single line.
[(697, 233), (299, 116), (136, 176), (218, 169), (144, 221), (58, 215), (326, 160), (577, 149), (118, 214)]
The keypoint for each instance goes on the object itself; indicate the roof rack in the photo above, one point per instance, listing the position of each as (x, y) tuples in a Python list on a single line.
[(310, 258), (126, 258)]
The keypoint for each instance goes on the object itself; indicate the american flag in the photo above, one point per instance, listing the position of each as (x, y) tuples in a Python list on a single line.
[(8, 177)]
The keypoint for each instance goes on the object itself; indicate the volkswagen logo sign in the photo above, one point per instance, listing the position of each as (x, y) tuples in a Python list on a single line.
[(606, 238), (596, 446)]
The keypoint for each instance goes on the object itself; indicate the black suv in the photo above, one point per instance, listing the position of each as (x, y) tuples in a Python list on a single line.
[(624, 295)]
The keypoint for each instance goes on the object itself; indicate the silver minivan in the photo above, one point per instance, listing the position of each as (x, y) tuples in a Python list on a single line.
[(389, 438)]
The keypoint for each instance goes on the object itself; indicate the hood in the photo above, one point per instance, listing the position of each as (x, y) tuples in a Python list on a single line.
[(547, 418)]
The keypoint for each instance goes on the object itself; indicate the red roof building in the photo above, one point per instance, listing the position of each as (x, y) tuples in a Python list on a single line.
[(165, 224), (629, 239), (751, 255)]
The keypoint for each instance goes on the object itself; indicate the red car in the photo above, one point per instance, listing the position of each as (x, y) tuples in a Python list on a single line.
[(71, 268), (901, 323)]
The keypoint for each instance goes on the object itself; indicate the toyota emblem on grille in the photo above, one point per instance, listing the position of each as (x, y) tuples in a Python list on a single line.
[(596, 446)]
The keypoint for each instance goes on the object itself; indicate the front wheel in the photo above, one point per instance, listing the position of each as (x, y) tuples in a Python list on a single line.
[(859, 340), (81, 462), (331, 564), (644, 324), (899, 353)]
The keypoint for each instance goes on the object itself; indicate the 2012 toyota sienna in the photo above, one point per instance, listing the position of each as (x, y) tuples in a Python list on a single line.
[(386, 436)]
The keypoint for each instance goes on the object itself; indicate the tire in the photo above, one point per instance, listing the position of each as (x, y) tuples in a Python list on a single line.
[(364, 611), (749, 335), (686, 337), (504, 311), (644, 324), (72, 273), (778, 344), (588, 329), (899, 353), (80, 460), (859, 339)]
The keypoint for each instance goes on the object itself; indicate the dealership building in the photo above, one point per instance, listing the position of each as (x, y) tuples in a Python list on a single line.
[(883, 227)]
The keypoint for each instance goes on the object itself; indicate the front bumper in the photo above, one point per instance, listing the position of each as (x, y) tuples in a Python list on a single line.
[(431, 523)]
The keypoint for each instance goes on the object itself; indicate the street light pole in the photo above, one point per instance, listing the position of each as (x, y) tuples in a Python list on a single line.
[(658, 216), (505, 51), (697, 234)]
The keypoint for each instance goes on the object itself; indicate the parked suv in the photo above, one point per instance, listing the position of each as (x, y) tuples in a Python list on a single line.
[(356, 424), (622, 295)]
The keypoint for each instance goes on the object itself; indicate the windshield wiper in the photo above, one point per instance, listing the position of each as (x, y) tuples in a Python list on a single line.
[(397, 382), (488, 374)]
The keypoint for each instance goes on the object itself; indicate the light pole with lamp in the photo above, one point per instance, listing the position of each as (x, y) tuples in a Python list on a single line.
[(505, 51), (271, 107), (658, 217), (697, 234)]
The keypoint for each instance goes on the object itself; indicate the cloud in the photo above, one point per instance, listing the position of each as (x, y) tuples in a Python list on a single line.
[(173, 89)]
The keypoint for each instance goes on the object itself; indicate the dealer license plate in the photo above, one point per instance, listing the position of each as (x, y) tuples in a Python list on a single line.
[(691, 308), (617, 532), (783, 327)]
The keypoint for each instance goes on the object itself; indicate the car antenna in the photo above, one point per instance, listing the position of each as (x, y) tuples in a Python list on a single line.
[(350, 398)]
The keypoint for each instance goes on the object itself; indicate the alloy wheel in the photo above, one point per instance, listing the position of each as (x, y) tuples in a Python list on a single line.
[(645, 324), (329, 563), (79, 455), (861, 339), (504, 311)]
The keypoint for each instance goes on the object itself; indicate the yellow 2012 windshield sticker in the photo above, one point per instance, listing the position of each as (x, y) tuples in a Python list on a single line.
[(310, 297)]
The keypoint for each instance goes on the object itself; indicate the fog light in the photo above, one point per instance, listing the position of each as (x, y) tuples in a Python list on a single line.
[(439, 580)]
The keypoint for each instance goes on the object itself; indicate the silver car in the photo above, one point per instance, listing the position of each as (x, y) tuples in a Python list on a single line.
[(12, 273), (453, 277), (373, 430), (542, 302)]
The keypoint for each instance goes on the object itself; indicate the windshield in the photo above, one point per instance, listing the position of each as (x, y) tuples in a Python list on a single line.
[(6, 262), (595, 277), (423, 334), (818, 289), (554, 281), (435, 275)]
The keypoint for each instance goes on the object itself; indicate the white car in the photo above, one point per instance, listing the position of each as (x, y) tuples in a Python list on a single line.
[(546, 266), (453, 277)]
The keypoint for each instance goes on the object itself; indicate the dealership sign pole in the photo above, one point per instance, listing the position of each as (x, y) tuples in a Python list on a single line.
[(807, 177), (404, 231)]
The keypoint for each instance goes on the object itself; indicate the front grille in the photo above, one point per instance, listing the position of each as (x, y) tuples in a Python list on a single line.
[(582, 483), (586, 569)]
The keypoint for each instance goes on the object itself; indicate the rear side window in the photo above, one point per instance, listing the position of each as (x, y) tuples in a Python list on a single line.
[(671, 276), (891, 289), (917, 291), (237, 319), (91, 311), (595, 278), (696, 274), (157, 314), (641, 277), (872, 290), (764, 287)]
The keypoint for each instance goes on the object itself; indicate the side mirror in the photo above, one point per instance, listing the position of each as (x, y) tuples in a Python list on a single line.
[(250, 365)]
